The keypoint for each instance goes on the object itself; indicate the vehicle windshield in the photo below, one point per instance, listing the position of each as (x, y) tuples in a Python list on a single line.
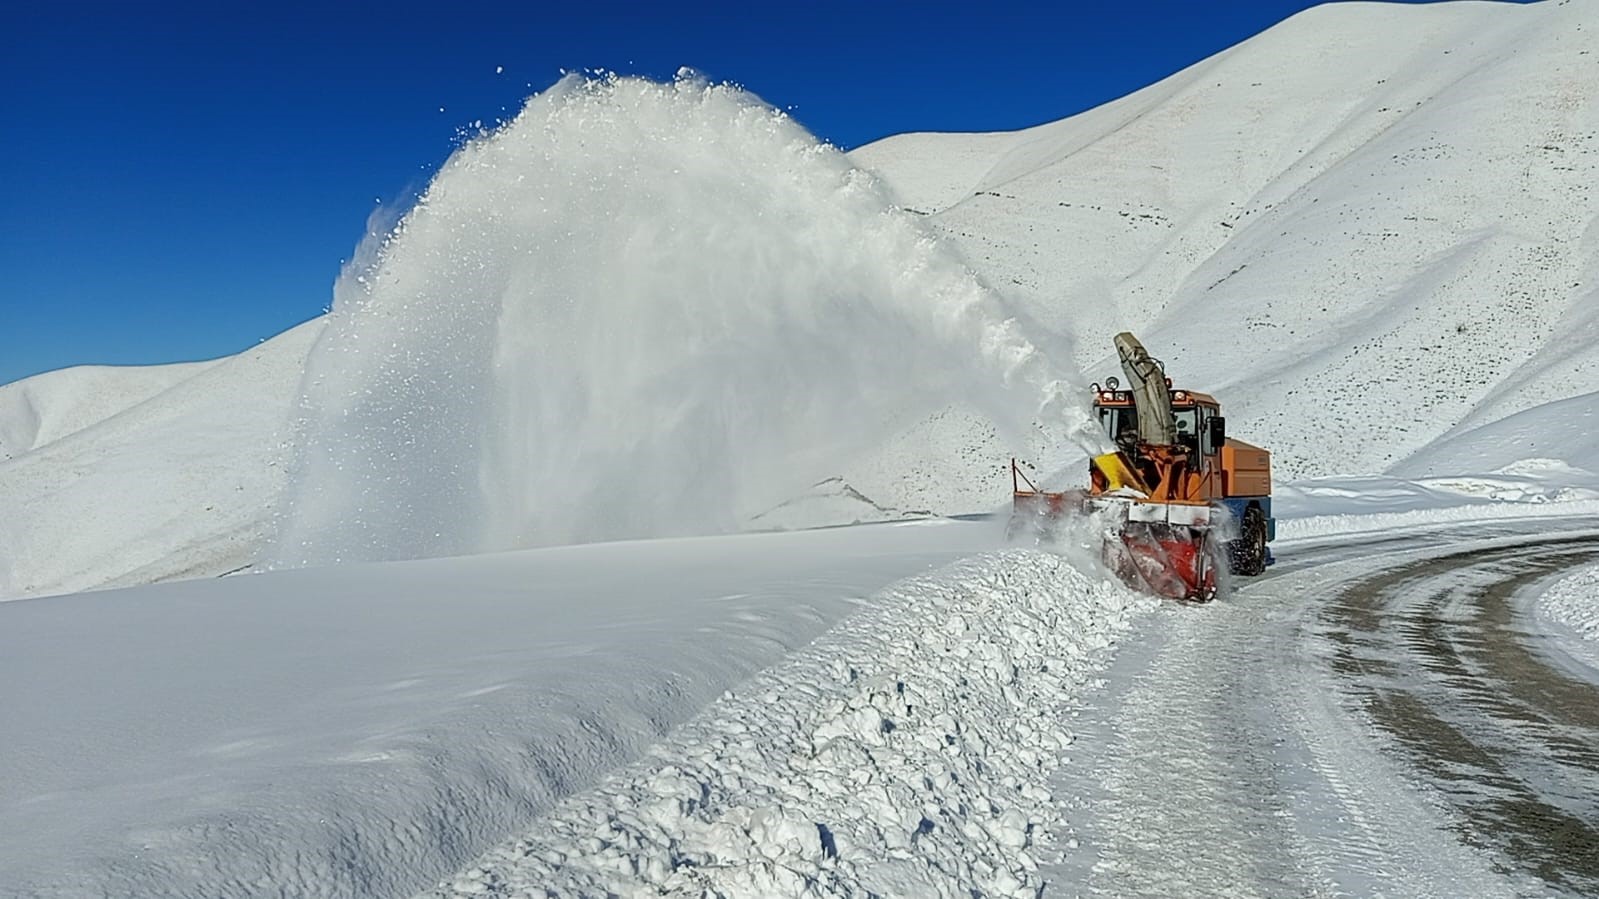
[(1119, 420)]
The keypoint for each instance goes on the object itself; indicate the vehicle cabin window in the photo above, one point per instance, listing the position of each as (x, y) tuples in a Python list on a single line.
[(1193, 423), (1206, 446), (1187, 423), (1118, 420)]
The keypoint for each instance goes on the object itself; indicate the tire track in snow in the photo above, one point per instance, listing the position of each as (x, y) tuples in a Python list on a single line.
[(1193, 798), (1442, 667), (1229, 760)]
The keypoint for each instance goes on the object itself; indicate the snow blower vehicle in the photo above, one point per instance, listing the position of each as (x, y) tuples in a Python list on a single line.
[(1177, 499)]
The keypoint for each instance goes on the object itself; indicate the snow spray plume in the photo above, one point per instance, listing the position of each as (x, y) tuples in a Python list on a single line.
[(638, 309)]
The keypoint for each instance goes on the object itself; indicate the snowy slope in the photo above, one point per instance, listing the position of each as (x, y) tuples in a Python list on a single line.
[(1368, 228), (1553, 435), (42, 409), (179, 484)]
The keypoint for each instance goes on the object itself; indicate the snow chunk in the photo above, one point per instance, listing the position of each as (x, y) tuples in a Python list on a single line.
[(1573, 601)]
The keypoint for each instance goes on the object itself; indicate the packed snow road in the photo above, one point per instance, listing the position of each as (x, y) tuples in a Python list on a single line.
[(1376, 717), (1435, 650)]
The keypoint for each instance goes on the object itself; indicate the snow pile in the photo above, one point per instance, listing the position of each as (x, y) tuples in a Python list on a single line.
[(1314, 524), (903, 754), (1532, 488), (1573, 601), (638, 309)]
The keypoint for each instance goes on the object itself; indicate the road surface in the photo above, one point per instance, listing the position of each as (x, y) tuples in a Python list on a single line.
[(1377, 716)]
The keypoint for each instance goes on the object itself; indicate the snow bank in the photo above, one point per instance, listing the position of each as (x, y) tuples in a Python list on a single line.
[(638, 309), (1326, 507), (1573, 601), (365, 730), (1551, 441), (903, 754)]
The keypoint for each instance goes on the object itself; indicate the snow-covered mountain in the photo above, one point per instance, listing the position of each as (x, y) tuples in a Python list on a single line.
[(1369, 230)]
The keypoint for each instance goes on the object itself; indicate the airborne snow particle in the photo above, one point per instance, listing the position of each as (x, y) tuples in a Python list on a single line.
[(679, 186)]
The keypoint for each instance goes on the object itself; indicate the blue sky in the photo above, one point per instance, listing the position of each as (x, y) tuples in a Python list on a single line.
[(183, 182)]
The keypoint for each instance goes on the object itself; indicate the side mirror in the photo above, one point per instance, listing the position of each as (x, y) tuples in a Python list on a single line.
[(1218, 431)]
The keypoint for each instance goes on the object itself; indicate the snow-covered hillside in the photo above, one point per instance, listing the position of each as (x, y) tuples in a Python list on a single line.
[(1368, 229), (177, 483), (40, 410)]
